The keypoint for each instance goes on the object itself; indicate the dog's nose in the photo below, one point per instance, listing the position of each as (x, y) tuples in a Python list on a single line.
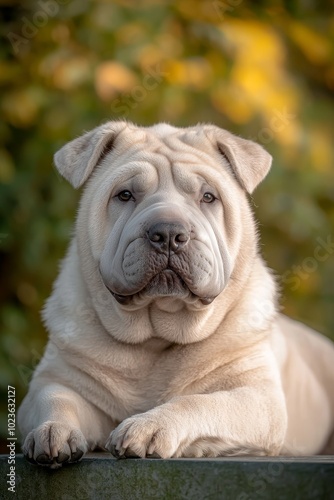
[(165, 236)]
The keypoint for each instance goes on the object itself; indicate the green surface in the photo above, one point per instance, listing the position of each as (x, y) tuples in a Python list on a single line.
[(263, 70), (102, 477)]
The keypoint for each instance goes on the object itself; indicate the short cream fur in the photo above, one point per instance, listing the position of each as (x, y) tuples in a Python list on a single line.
[(164, 335)]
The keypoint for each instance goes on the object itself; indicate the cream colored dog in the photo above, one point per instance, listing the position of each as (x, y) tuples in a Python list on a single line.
[(164, 334)]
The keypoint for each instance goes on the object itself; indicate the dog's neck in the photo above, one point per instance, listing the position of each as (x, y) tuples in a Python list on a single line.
[(168, 319)]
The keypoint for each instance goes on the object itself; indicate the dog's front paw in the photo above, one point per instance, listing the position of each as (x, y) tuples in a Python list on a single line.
[(54, 443), (150, 434)]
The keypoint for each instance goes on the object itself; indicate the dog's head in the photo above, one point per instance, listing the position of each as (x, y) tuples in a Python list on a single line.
[(164, 211)]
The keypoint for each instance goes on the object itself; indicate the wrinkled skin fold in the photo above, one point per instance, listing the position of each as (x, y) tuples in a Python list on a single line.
[(164, 335)]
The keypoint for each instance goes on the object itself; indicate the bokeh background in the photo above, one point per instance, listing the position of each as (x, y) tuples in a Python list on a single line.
[(263, 70)]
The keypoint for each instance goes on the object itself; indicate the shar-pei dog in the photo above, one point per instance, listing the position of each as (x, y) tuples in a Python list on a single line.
[(165, 337)]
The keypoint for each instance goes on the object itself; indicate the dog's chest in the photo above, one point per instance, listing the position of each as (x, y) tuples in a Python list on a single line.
[(136, 378)]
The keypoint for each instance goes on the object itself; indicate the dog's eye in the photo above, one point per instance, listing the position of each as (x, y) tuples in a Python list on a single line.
[(208, 198), (125, 195)]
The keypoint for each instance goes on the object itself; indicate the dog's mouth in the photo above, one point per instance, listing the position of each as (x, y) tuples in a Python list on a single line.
[(167, 283)]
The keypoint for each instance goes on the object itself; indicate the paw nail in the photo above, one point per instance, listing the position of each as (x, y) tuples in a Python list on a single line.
[(62, 457), (113, 450), (130, 453), (76, 455), (43, 459), (153, 455), (30, 459)]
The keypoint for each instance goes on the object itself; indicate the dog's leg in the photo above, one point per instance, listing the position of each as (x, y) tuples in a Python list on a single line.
[(58, 424), (246, 420)]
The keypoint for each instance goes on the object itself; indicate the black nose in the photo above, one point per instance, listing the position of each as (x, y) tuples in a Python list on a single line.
[(165, 236)]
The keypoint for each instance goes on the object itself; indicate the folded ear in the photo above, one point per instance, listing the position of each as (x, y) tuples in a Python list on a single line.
[(249, 162), (77, 159)]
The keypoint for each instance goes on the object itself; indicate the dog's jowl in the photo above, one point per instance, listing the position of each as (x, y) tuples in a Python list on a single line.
[(164, 335)]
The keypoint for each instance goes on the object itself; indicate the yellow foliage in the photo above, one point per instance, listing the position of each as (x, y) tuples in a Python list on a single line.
[(279, 107), (20, 108), (314, 46), (130, 33), (197, 9), (71, 73), (175, 104), (280, 97), (310, 284), (170, 44), (60, 33), (112, 77), (254, 42), (192, 73), (26, 293), (251, 79), (227, 62), (8, 72), (258, 79), (230, 100), (289, 135), (321, 152), (149, 56)]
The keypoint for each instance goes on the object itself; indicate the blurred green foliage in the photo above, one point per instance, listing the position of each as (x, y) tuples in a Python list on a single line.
[(264, 71)]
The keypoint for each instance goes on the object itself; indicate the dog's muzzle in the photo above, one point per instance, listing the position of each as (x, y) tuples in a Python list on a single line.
[(164, 268), (167, 237)]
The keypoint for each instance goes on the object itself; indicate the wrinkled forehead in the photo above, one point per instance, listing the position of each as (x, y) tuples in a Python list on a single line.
[(164, 145), (162, 134), (143, 161)]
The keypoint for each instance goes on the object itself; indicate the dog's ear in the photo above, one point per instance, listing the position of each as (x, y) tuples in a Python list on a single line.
[(76, 160), (249, 161)]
